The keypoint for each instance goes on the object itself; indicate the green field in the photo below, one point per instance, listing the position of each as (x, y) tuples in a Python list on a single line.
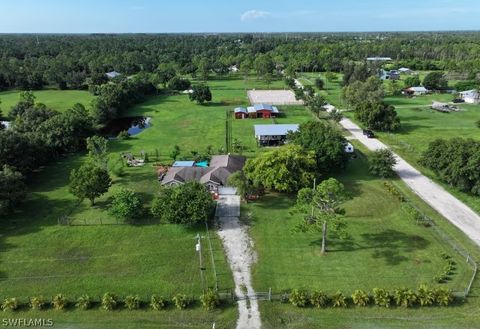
[(59, 100), (385, 249)]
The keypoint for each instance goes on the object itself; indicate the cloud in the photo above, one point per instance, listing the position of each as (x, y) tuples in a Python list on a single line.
[(254, 14)]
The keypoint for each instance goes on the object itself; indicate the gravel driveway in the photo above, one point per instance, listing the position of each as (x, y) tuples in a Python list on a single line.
[(238, 247), (433, 194)]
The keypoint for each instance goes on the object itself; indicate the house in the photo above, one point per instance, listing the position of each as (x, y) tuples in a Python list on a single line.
[(389, 75), (329, 108), (113, 74), (416, 91), (273, 135), (234, 69), (404, 70), (379, 59), (214, 176), (257, 111), (470, 96)]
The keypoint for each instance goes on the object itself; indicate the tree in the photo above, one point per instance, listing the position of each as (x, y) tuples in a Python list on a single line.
[(97, 150), (412, 81), (319, 83), (378, 116), (370, 91), (12, 190), (435, 81), (89, 182), (327, 143), (382, 163), (175, 152), (322, 209), (264, 65), (165, 72), (285, 169), (241, 183), (315, 103), (177, 83), (189, 203), (126, 205), (201, 94)]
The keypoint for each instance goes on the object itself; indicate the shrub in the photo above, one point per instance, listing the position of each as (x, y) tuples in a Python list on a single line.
[(443, 297), (382, 163), (339, 300), (109, 301), (59, 302), (404, 297), (360, 298), (157, 303), (319, 299), (394, 191), (426, 296), (299, 298), (132, 302), (478, 123), (381, 297), (123, 135), (10, 304), (181, 301), (441, 278), (210, 300), (83, 302), (37, 303)]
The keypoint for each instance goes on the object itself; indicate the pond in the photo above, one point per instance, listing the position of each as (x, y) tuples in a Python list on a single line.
[(133, 125)]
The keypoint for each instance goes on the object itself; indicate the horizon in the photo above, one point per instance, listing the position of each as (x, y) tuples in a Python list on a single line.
[(247, 16)]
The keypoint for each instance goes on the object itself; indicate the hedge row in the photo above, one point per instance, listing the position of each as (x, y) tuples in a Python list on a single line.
[(404, 297), (210, 300)]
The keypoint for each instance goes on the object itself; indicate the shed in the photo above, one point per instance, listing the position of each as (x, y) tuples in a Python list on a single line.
[(240, 113), (416, 91), (470, 96), (183, 164), (273, 135)]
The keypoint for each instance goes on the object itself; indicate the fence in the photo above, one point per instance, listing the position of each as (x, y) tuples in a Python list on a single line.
[(427, 221)]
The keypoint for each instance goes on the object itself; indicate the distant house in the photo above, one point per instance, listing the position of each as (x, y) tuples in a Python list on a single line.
[(416, 91), (256, 111), (379, 59), (470, 96), (273, 135), (329, 108), (389, 75), (404, 70), (113, 74), (213, 176), (234, 69)]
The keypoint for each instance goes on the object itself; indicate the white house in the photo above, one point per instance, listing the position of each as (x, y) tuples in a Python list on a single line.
[(405, 70), (470, 96), (113, 74), (234, 69), (416, 91)]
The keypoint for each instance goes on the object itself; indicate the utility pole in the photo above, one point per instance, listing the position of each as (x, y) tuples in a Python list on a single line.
[(198, 248), (213, 258)]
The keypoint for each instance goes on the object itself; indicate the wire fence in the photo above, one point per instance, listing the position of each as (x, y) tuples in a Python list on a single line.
[(460, 250)]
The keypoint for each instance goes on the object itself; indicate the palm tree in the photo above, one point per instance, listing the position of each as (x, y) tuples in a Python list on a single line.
[(59, 302), (109, 301), (443, 297), (425, 295), (10, 304), (319, 299), (132, 302), (339, 300), (83, 302), (381, 297), (157, 302)]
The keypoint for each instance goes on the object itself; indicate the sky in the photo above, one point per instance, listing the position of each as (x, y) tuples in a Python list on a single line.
[(176, 16)]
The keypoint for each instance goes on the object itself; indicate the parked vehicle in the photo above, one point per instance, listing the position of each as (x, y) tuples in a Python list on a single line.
[(369, 133)]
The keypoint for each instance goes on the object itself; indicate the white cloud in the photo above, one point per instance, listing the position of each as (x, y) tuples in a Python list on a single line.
[(254, 14)]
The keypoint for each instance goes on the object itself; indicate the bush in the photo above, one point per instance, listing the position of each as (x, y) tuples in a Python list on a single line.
[(109, 301), (381, 297), (339, 300), (394, 191), (10, 304), (83, 302), (157, 303), (426, 296), (37, 303), (123, 135), (210, 300), (299, 298), (319, 299), (177, 83), (404, 297), (59, 302), (382, 163), (132, 302), (360, 298), (181, 301), (443, 297)]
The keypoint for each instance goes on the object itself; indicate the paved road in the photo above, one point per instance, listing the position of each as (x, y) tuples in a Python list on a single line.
[(446, 204), (238, 247)]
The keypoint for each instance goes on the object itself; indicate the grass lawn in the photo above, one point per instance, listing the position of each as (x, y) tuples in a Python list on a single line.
[(386, 249), (59, 100)]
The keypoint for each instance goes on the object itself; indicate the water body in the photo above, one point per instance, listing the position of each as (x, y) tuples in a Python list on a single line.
[(133, 125)]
